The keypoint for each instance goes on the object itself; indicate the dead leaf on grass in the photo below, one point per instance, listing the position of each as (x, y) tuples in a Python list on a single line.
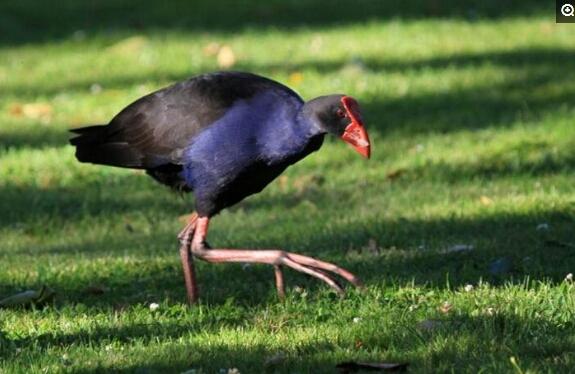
[(485, 200), (295, 78), (394, 174), (36, 111), (352, 367), (445, 307), (211, 49), (226, 57)]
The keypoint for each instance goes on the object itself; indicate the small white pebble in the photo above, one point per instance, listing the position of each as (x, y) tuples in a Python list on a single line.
[(154, 306), (233, 371), (191, 371), (468, 288), (569, 277), (542, 227), (356, 319), (460, 248), (95, 89)]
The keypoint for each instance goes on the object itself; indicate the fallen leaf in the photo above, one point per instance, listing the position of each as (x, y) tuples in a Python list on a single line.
[(211, 49), (15, 110), (37, 111), (283, 182), (295, 78), (445, 307), (226, 57), (352, 367), (485, 200), (394, 174), (30, 297)]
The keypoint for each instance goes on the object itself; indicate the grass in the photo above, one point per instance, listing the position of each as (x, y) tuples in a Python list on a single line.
[(471, 114)]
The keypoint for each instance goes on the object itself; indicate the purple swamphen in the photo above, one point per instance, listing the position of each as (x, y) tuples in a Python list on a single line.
[(224, 136)]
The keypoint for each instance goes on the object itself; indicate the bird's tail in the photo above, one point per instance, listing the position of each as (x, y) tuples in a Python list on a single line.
[(88, 135), (96, 145)]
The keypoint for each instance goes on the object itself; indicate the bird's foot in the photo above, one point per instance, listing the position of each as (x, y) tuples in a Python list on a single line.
[(278, 258)]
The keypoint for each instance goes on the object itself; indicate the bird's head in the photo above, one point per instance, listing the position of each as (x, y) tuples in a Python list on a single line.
[(340, 115)]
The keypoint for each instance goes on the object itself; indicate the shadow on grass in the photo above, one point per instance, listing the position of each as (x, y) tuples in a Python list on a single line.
[(538, 87), (405, 251), (30, 205), (512, 236), (459, 344), (25, 21)]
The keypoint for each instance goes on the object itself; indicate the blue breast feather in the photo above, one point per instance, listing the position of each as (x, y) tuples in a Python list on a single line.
[(266, 128)]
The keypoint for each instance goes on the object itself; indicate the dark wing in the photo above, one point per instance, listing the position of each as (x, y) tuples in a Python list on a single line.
[(155, 129)]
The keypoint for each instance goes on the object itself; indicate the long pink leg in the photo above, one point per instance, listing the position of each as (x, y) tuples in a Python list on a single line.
[(304, 264), (280, 286), (185, 237)]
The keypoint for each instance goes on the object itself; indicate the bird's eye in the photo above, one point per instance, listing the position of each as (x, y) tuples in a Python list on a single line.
[(340, 113)]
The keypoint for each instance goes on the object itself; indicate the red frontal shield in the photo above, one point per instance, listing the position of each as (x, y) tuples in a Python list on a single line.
[(355, 133)]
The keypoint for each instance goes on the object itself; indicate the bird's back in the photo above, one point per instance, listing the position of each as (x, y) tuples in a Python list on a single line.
[(155, 130)]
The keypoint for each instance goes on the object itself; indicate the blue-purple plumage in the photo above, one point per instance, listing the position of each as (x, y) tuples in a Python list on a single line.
[(247, 148)]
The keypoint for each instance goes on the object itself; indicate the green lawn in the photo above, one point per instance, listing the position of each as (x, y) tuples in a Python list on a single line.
[(470, 111)]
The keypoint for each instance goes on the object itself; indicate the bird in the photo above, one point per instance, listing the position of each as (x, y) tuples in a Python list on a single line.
[(225, 136)]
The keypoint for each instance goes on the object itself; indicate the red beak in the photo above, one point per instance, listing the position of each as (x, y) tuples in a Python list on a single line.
[(355, 133)]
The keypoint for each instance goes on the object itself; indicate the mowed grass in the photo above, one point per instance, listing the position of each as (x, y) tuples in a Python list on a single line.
[(471, 118)]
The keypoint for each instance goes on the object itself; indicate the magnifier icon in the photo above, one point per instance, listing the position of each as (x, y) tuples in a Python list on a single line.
[(568, 10)]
